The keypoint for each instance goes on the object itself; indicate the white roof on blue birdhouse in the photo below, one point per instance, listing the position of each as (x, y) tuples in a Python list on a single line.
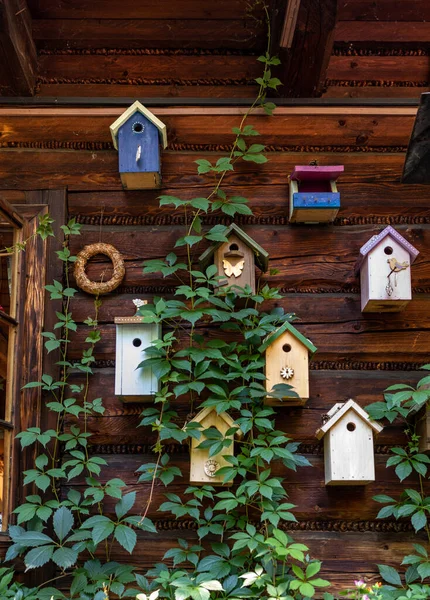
[(131, 110)]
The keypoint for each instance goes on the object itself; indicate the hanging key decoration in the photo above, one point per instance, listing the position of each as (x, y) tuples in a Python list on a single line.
[(395, 267)]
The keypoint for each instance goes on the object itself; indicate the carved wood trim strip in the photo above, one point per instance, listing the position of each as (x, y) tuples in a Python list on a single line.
[(313, 449), (346, 289), (143, 52), (245, 220), (373, 83), (143, 81), (335, 525), (182, 147), (317, 365), (341, 50)]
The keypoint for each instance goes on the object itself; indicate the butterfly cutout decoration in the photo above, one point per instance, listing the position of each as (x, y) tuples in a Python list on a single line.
[(235, 270)]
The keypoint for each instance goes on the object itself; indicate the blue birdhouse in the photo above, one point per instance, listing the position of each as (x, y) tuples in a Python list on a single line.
[(313, 194), (137, 135)]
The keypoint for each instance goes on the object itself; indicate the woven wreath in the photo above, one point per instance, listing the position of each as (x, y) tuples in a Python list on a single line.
[(94, 287)]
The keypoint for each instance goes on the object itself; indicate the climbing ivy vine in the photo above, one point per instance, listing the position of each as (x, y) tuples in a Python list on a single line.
[(242, 548)]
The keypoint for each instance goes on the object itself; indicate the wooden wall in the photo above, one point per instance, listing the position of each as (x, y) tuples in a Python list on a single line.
[(358, 355)]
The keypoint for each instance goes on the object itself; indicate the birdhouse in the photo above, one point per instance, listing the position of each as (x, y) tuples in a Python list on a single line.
[(202, 467), (287, 361), (132, 337), (422, 428), (137, 135), (385, 272), (313, 194), (236, 259), (348, 445)]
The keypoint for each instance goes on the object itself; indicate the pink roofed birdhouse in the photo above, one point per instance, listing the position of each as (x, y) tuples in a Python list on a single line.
[(313, 194), (385, 272)]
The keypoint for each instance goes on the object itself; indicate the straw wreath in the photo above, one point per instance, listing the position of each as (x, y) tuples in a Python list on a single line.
[(94, 287)]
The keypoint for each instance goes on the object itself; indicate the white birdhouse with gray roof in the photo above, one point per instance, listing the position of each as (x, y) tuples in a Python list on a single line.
[(385, 272), (138, 135), (348, 436), (287, 353), (133, 335)]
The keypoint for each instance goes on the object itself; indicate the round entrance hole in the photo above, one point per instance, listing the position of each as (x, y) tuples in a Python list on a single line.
[(137, 127), (137, 342), (350, 426), (286, 348), (234, 247), (388, 250)]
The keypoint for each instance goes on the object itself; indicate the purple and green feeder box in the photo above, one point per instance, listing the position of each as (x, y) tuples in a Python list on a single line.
[(313, 194), (138, 136)]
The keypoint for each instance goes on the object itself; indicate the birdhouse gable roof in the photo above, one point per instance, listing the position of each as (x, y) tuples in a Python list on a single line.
[(339, 410), (131, 110), (377, 239), (201, 416), (272, 337), (261, 256)]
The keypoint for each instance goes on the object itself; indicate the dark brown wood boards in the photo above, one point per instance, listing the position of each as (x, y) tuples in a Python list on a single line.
[(359, 355)]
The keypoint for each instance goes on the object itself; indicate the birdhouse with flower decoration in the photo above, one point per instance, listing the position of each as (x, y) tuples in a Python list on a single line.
[(138, 136), (236, 259), (287, 354), (348, 436), (314, 197), (385, 272), (133, 336), (203, 467)]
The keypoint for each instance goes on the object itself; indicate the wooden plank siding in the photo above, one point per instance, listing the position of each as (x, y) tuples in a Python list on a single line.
[(358, 355)]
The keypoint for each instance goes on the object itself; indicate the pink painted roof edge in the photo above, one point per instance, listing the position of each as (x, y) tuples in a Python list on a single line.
[(374, 241)]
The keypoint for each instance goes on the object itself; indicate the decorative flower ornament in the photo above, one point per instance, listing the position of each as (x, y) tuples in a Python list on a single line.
[(211, 467), (287, 372), (138, 302)]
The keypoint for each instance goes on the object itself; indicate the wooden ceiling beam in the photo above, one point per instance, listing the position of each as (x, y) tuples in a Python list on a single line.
[(18, 59), (303, 35)]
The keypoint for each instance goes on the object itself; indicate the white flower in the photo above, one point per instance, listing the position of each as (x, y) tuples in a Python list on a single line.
[(138, 302), (251, 577), (152, 596), (287, 372)]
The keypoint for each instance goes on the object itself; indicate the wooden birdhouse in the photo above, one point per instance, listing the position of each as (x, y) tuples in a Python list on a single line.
[(202, 467), (348, 445), (422, 428), (385, 272), (236, 259), (132, 337), (313, 194), (287, 361), (137, 135)]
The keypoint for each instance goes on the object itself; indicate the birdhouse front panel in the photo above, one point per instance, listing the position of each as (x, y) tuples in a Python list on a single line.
[(202, 466), (139, 153), (287, 361), (385, 278), (348, 452), (235, 263), (314, 197), (135, 385)]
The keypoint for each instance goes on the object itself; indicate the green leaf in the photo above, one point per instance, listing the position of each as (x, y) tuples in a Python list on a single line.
[(125, 504), (419, 520), (312, 569), (65, 557), (389, 574), (126, 537), (38, 557), (403, 470), (307, 590), (63, 522)]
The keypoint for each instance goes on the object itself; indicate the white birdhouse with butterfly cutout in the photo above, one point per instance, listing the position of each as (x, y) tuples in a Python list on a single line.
[(236, 259), (132, 337), (203, 468), (385, 272), (287, 353), (348, 434)]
